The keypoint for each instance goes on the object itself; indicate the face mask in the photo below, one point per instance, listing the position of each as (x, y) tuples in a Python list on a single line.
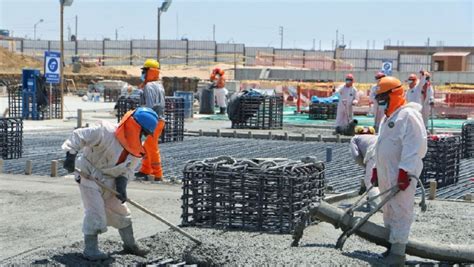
[(383, 104), (142, 77), (348, 81)]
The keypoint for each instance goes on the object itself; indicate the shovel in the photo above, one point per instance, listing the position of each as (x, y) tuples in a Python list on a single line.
[(140, 207)]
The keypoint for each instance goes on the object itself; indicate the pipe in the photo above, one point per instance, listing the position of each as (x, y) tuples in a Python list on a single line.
[(379, 235)]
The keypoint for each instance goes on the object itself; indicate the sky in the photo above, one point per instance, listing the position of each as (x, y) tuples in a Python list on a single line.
[(254, 23)]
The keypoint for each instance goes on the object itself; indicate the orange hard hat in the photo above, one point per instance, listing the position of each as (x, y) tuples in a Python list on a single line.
[(387, 84), (350, 76), (379, 75)]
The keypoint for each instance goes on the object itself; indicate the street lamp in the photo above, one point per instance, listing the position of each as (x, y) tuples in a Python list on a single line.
[(164, 7), (62, 4), (116, 32), (36, 24)]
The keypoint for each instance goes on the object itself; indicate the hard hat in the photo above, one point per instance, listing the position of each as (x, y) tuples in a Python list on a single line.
[(216, 70), (147, 118), (350, 76), (359, 129), (379, 75), (387, 84), (221, 72), (412, 77), (151, 63)]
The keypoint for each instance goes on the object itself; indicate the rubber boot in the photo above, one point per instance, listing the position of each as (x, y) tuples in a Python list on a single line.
[(396, 256), (91, 249), (129, 244), (222, 110)]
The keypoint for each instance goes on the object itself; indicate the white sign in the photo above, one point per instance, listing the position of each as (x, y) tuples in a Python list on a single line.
[(52, 67), (387, 67)]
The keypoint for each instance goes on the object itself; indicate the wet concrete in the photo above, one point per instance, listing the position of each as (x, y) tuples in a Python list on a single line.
[(445, 222)]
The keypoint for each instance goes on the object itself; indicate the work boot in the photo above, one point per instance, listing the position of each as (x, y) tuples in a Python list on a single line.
[(129, 244), (91, 249), (222, 110), (141, 176), (396, 256)]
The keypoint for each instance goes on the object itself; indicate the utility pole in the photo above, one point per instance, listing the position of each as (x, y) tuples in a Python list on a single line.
[(61, 47), (116, 34), (76, 29), (281, 37), (158, 36), (214, 32), (314, 44), (337, 38), (68, 32), (319, 45)]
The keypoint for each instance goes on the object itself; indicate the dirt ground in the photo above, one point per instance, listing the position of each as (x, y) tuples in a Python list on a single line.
[(42, 225)]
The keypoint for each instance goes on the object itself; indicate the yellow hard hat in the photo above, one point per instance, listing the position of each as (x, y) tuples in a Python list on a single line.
[(359, 129), (151, 63), (387, 84)]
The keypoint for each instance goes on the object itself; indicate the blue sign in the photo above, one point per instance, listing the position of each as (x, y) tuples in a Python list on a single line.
[(387, 67), (52, 67)]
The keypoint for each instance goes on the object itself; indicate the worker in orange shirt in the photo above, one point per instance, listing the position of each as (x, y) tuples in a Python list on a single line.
[(220, 92), (153, 96)]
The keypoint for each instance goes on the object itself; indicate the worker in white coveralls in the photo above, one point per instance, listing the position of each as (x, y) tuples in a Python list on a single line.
[(110, 153), (377, 111), (362, 148), (421, 92), (400, 148), (220, 92), (348, 97)]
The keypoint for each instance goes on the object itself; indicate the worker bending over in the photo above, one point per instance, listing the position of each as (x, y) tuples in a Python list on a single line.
[(220, 92), (110, 153), (153, 97), (400, 148)]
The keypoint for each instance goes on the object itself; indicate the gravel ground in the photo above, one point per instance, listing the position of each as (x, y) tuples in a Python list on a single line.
[(444, 222)]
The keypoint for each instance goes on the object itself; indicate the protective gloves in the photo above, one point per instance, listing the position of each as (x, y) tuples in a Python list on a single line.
[(403, 180), (70, 162), (375, 179), (121, 187)]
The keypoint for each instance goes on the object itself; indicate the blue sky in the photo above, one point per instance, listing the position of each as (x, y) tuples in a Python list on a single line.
[(254, 23)]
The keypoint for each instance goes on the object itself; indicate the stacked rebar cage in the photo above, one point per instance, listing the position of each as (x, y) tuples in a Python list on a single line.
[(442, 160), (468, 139), (260, 112), (174, 116), (174, 120), (259, 194), (322, 111), (11, 138), (111, 95), (14, 100)]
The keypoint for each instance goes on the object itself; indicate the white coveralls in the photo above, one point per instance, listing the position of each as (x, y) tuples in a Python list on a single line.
[(347, 95), (220, 95), (415, 95), (363, 152), (401, 144), (100, 153), (378, 112)]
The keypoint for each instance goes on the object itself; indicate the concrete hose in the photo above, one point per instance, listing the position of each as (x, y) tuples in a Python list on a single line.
[(379, 235)]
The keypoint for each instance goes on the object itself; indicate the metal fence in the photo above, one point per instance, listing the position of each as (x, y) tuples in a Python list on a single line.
[(201, 53)]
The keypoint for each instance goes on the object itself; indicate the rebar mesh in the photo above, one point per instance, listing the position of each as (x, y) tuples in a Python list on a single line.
[(259, 194)]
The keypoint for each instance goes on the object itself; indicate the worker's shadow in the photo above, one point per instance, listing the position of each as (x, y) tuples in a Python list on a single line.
[(77, 259)]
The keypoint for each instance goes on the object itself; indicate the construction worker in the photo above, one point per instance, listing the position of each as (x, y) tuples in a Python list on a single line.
[(378, 112), (220, 92), (153, 97), (362, 148), (400, 148), (348, 96), (421, 92), (110, 153)]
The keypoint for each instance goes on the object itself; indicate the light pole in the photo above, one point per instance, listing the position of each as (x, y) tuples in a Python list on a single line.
[(116, 32), (34, 27), (281, 36), (62, 4), (163, 8)]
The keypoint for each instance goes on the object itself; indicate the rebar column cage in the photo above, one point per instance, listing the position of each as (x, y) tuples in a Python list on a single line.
[(468, 139), (322, 111), (259, 112), (11, 138), (174, 120), (442, 160), (258, 194)]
